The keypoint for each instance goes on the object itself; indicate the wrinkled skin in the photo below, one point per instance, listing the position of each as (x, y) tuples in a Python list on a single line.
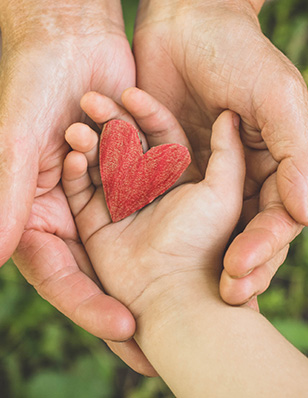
[(199, 60), (46, 67), (48, 63)]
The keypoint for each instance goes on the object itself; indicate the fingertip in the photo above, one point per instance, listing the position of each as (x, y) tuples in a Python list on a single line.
[(139, 103), (236, 120), (132, 355), (226, 131), (226, 167), (87, 98), (236, 291), (93, 104), (130, 92), (229, 119), (243, 254), (81, 137), (107, 318), (123, 327)]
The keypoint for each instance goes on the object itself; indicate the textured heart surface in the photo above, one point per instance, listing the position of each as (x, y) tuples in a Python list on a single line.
[(132, 179)]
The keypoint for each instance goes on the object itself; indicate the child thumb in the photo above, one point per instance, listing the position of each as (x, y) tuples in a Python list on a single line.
[(225, 172)]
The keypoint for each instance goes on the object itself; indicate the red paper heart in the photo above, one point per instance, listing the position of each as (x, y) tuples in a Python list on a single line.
[(132, 179)]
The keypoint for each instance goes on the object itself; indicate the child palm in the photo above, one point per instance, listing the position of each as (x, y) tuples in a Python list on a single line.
[(182, 231)]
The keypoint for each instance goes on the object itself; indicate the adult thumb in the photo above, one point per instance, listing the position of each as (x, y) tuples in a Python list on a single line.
[(18, 177), (284, 129)]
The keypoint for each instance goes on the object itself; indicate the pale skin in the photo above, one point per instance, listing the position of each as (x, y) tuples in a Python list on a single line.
[(164, 262), (55, 52), (199, 57)]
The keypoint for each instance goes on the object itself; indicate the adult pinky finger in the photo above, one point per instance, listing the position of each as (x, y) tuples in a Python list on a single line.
[(132, 355), (237, 291), (47, 264)]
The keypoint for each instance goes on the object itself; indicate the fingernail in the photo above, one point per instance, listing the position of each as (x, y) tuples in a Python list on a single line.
[(236, 120), (242, 275)]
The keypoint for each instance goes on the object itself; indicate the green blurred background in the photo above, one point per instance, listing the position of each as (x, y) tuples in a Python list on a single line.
[(44, 355)]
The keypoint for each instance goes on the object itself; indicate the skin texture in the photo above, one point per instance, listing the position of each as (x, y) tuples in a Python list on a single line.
[(54, 52), (199, 59), (86, 196), (165, 260)]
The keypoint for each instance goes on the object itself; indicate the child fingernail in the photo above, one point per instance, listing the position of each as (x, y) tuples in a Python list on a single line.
[(236, 120)]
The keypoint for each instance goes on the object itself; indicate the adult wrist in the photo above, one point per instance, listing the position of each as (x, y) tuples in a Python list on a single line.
[(256, 4), (27, 20), (153, 11)]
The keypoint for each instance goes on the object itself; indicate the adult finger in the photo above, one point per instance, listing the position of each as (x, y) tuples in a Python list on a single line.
[(237, 291), (48, 264), (265, 236), (281, 113), (132, 355), (255, 255)]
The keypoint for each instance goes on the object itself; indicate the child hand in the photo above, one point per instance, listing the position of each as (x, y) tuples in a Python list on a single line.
[(184, 231)]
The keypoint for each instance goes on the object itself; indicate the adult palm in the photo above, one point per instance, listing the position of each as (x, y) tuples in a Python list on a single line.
[(46, 68), (200, 59)]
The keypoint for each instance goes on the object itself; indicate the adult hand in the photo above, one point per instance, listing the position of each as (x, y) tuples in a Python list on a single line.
[(201, 57), (54, 52)]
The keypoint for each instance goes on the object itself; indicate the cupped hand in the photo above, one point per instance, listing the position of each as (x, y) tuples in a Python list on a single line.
[(199, 59), (178, 233), (52, 54)]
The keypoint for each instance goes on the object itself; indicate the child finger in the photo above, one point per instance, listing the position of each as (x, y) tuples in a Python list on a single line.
[(84, 199), (88, 225), (83, 139), (101, 109), (158, 123), (226, 168), (76, 181)]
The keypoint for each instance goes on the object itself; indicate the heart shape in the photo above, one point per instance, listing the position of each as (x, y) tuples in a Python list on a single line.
[(132, 179)]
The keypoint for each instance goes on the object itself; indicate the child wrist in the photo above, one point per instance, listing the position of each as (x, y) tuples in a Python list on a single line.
[(163, 300)]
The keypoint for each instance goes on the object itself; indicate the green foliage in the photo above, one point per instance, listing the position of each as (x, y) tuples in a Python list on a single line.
[(129, 11), (286, 23), (285, 304), (295, 331), (42, 354)]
